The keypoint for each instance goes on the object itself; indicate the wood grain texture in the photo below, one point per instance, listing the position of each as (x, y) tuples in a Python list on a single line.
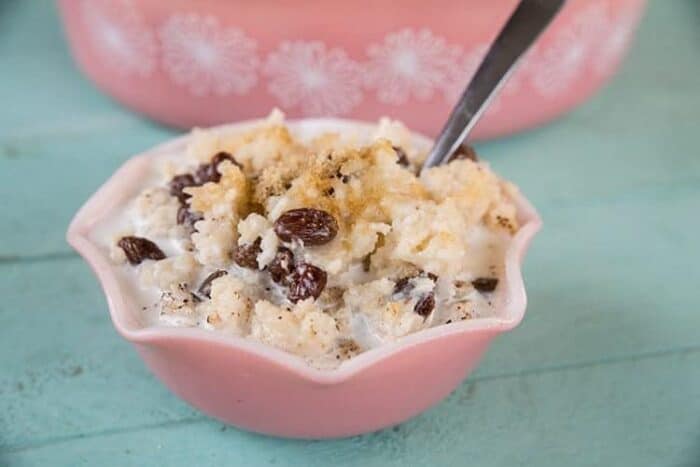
[(609, 414), (604, 370)]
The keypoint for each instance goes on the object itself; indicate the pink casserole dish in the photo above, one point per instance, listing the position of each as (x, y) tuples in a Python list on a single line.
[(262, 389), (209, 62)]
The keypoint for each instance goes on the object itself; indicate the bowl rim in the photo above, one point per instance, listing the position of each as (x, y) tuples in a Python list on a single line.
[(120, 187)]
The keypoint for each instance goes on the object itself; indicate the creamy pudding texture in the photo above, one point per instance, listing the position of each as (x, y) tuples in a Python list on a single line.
[(324, 244)]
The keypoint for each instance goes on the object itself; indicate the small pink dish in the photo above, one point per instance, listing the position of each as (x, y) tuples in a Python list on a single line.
[(262, 389), (208, 62)]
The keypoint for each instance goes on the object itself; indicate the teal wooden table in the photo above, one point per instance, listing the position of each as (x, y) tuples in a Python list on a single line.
[(604, 371)]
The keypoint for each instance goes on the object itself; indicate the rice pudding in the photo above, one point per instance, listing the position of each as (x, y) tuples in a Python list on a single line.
[(320, 243)]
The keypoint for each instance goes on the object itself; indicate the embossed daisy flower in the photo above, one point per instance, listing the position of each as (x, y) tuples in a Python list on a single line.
[(120, 36), (206, 57), (317, 80), (613, 43), (555, 67), (409, 64)]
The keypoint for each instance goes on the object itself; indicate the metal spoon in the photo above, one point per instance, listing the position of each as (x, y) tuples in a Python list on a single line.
[(527, 22)]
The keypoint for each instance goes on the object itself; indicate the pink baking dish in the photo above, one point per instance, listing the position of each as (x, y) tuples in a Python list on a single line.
[(209, 62), (259, 388)]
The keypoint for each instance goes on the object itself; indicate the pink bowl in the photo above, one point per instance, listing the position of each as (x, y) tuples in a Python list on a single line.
[(262, 389), (208, 62)]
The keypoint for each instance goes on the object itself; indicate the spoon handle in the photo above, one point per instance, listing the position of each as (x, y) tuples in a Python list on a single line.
[(527, 22)]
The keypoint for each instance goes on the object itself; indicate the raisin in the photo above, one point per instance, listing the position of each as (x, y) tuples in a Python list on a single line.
[(204, 289), (404, 286), (402, 160), (187, 217), (311, 226), (366, 263), (219, 157), (280, 268), (209, 173), (179, 183), (485, 284), (306, 281), (183, 213), (138, 249), (424, 306), (247, 255), (464, 151)]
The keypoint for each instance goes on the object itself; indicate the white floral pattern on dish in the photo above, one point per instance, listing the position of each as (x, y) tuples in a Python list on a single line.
[(207, 58), (619, 32), (317, 80), (553, 68), (408, 64), (120, 36)]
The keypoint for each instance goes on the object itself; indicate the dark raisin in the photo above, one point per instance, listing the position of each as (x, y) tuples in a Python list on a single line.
[(219, 157), (187, 217), (247, 255), (464, 151), (366, 263), (182, 214), (209, 173), (138, 249), (179, 183), (402, 160), (424, 306), (311, 226), (280, 268), (345, 179), (306, 281), (404, 286), (329, 191), (204, 289), (485, 284)]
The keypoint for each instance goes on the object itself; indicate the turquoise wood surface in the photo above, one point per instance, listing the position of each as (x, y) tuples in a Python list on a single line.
[(605, 370)]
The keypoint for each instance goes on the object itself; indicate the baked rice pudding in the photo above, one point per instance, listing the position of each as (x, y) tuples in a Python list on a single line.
[(323, 244)]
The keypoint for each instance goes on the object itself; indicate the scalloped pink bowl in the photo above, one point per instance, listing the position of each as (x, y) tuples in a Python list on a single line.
[(262, 389), (209, 62)]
